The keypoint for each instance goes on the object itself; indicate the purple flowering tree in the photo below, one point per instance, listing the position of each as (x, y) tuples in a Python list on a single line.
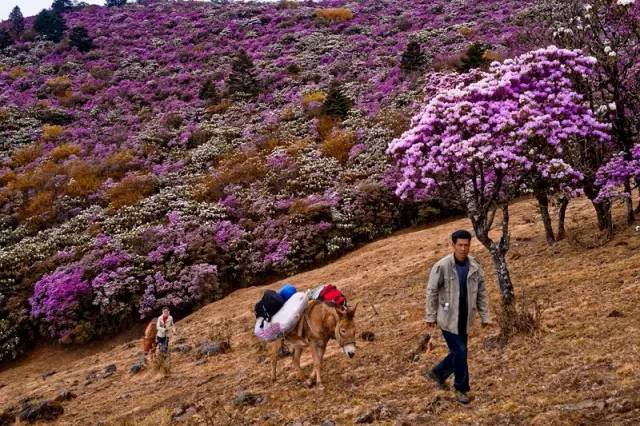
[(477, 147)]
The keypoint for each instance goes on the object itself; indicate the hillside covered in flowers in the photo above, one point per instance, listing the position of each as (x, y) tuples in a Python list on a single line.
[(166, 153), (197, 148)]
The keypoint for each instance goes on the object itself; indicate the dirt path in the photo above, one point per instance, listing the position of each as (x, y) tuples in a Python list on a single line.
[(582, 369)]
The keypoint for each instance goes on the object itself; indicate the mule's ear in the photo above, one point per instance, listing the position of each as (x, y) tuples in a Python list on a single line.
[(352, 312)]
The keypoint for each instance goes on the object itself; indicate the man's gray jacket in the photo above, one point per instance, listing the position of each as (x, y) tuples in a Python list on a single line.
[(443, 295)]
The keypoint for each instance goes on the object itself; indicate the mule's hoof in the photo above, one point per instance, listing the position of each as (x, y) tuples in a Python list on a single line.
[(320, 388), (310, 383)]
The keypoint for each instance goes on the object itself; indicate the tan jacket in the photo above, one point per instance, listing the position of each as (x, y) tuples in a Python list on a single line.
[(165, 328), (443, 288)]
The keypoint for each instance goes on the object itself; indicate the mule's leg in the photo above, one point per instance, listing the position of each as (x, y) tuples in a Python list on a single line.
[(320, 350), (275, 347), (312, 376), (317, 364), (295, 360)]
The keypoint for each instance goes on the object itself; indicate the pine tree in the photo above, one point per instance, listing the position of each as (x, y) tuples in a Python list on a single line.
[(473, 57), (412, 58), (61, 6), (79, 38), (242, 81), (49, 24), (336, 104), (115, 3), (5, 39), (17, 21), (208, 92)]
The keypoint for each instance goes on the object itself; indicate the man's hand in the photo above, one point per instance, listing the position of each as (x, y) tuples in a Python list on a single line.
[(432, 326)]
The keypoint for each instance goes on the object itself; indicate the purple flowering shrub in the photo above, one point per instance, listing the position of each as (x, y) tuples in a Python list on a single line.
[(93, 296), (182, 290), (59, 300), (115, 286), (173, 278)]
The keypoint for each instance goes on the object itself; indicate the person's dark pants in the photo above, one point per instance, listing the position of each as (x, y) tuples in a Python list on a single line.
[(163, 343), (455, 363)]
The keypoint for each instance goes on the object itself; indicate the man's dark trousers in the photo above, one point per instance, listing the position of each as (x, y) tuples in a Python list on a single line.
[(455, 363)]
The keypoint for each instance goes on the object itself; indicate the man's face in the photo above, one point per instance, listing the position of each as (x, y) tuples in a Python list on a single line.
[(461, 249), (165, 312)]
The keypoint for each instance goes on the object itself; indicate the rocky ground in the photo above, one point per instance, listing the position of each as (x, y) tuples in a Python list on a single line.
[(580, 369)]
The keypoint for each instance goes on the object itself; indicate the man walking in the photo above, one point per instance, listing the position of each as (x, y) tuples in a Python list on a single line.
[(454, 292), (165, 328)]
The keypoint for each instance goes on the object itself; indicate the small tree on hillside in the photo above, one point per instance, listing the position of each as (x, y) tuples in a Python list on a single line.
[(49, 24), (477, 147), (115, 3), (336, 104), (79, 38), (5, 39), (412, 59), (474, 57), (242, 82), (209, 92), (61, 6), (17, 21)]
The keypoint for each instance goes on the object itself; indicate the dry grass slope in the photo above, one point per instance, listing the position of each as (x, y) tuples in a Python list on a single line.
[(582, 369)]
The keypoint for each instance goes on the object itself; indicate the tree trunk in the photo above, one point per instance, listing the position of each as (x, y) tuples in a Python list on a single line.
[(502, 273), (608, 217), (543, 205), (562, 212), (628, 202), (637, 180), (498, 251), (603, 208), (605, 221), (599, 216)]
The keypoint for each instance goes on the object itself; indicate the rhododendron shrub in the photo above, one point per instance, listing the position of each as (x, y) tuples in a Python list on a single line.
[(182, 290), (58, 300)]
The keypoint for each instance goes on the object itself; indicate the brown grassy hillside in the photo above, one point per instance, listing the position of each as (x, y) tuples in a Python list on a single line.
[(583, 369)]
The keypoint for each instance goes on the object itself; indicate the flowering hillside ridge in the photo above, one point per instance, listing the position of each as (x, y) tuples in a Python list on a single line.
[(166, 153)]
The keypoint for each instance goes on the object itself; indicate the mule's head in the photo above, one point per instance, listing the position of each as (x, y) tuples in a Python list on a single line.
[(346, 330)]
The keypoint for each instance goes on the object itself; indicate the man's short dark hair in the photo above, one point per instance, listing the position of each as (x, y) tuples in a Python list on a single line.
[(460, 234)]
